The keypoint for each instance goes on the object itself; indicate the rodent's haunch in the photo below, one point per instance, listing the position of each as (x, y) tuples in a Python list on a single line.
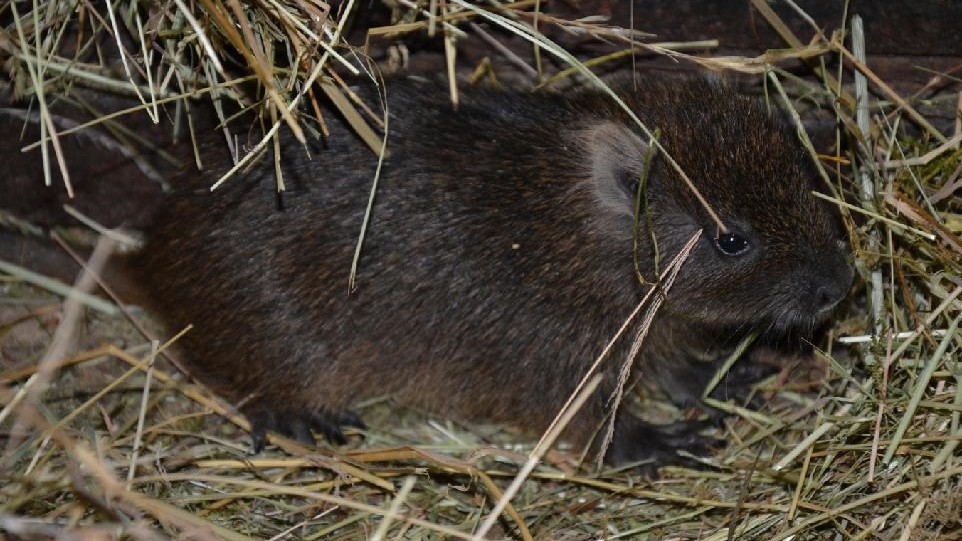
[(498, 260)]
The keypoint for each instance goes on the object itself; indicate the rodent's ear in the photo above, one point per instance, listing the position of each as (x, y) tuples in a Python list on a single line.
[(617, 158)]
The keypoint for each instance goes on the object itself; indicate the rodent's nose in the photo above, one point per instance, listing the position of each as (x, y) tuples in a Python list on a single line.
[(835, 285), (826, 297)]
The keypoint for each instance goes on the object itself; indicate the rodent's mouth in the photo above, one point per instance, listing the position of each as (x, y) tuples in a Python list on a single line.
[(780, 323), (796, 325)]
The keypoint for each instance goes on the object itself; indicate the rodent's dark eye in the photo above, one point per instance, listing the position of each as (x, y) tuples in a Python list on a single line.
[(732, 243)]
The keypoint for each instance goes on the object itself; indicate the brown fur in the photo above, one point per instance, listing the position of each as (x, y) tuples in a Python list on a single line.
[(498, 261)]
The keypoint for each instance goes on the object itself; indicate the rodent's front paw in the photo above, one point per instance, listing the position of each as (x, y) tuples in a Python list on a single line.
[(652, 446), (739, 383), (298, 425), (686, 383)]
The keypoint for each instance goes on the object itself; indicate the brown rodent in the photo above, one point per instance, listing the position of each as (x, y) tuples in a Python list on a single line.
[(498, 261)]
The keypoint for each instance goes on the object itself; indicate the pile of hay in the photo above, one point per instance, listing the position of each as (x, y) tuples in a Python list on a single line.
[(103, 440)]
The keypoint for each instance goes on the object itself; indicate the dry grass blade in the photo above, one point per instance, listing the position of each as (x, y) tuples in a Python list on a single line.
[(36, 72), (57, 287), (249, 47)]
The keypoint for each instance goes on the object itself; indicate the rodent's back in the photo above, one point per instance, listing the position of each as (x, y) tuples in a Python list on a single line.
[(454, 251)]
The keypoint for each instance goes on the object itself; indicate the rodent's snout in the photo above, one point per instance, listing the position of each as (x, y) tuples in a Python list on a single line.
[(835, 278)]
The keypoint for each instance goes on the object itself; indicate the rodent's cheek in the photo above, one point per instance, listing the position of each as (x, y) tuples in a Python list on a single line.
[(736, 289), (749, 291), (710, 281)]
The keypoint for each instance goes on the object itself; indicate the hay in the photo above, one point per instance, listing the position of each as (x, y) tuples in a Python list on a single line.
[(110, 442)]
